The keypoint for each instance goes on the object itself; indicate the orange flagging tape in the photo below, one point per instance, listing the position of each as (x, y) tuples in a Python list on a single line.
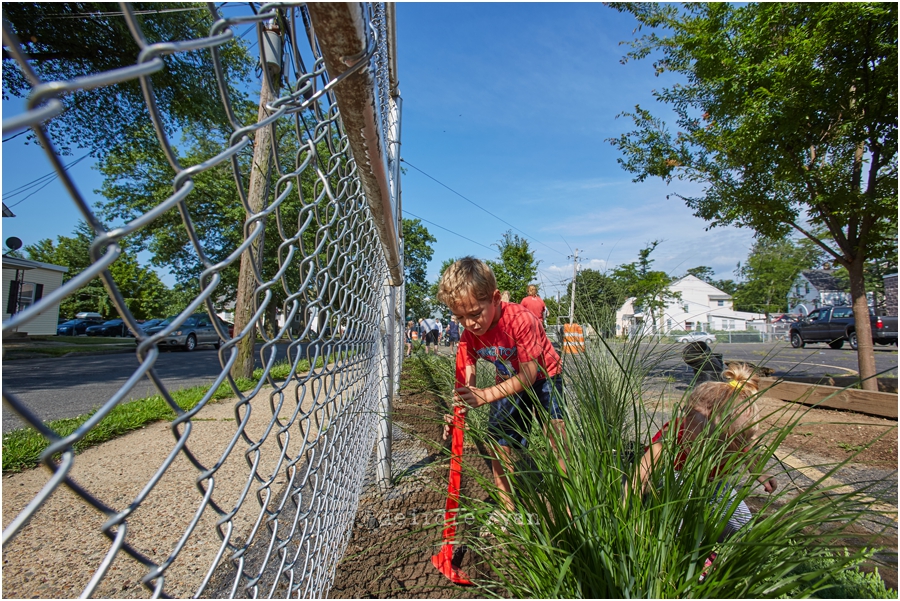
[(443, 560)]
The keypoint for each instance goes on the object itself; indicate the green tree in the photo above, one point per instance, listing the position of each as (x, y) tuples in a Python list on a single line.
[(597, 297), (702, 272), (417, 252), (649, 288), (787, 117), (65, 40), (770, 271), (516, 267), (144, 293)]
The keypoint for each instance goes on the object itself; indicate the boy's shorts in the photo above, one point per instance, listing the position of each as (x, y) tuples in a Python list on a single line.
[(510, 417)]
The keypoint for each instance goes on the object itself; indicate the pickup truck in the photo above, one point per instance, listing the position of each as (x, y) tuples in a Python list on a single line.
[(834, 325)]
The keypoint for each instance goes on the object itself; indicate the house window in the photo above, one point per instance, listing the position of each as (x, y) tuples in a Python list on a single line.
[(669, 324), (26, 294), (721, 303), (807, 287), (686, 309), (731, 324), (688, 325)]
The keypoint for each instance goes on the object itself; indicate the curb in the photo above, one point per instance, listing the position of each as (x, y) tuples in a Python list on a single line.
[(26, 355)]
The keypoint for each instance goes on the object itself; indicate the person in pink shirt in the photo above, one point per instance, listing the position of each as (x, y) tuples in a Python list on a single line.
[(534, 303)]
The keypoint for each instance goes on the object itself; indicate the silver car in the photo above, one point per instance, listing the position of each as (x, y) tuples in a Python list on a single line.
[(697, 337), (196, 329)]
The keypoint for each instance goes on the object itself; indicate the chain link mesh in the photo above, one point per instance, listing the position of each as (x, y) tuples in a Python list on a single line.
[(275, 498)]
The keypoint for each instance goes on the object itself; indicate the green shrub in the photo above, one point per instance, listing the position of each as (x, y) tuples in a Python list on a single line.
[(574, 535)]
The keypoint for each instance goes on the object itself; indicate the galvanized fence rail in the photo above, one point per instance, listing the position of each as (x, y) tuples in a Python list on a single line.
[(299, 445)]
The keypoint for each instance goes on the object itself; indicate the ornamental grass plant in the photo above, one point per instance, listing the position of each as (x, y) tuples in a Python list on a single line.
[(576, 534)]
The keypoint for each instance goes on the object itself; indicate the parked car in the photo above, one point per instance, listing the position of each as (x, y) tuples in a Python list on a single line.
[(113, 327), (697, 337), (145, 326), (73, 327), (196, 329), (89, 316), (836, 325)]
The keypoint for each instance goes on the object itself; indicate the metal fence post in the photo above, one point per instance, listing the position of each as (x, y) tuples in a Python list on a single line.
[(384, 440)]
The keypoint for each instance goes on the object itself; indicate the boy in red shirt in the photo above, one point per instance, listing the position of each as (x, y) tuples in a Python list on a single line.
[(510, 337)]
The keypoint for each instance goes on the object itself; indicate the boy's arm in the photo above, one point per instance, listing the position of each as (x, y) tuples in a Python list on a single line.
[(475, 397)]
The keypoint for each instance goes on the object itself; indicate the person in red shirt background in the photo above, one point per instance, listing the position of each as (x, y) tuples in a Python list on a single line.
[(534, 303)]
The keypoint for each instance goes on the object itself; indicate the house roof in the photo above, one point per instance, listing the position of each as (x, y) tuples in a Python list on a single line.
[(690, 279), (17, 263), (822, 280), (7, 212)]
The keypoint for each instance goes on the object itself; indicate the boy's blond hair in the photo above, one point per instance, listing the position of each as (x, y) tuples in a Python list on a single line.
[(731, 403), (467, 277)]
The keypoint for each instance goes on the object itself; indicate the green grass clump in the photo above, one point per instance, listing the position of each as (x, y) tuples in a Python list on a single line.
[(22, 448), (574, 534)]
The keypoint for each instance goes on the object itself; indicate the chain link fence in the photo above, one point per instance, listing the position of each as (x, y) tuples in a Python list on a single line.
[(265, 506)]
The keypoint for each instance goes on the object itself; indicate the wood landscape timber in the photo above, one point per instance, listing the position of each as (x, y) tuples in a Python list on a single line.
[(881, 404)]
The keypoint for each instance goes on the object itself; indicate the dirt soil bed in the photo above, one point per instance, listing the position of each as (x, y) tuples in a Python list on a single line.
[(395, 534)]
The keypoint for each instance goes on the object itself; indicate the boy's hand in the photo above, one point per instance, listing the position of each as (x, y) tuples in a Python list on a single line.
[(467, 397), (448, 422), (768, 482)]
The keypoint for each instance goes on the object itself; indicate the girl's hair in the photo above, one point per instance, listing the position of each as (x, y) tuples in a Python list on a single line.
[(532, 289), (731, 404)]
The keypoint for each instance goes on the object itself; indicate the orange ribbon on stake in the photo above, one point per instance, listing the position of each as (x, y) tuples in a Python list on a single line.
[(443, 560)]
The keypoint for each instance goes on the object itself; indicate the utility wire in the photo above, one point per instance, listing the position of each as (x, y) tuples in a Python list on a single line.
[(103, 14), (479, 206), (46, 180), (446, 230)]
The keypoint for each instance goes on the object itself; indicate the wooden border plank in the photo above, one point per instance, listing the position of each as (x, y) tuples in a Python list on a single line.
[(881, 404)]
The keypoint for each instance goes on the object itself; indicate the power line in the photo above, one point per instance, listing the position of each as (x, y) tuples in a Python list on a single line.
[(46, 180), (103, 14), (479, 206), (446, 230)]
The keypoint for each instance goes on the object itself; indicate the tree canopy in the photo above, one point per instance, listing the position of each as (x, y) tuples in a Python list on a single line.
[(787, 117), (65, 40), (650, 288), (145, 294), (417, 252), (515, 268), (770, 271)]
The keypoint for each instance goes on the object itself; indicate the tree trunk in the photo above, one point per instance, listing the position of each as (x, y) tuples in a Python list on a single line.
[(866, 350), (245, 304)]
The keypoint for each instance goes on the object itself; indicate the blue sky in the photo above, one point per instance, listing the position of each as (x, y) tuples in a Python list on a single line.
[(510, 105)]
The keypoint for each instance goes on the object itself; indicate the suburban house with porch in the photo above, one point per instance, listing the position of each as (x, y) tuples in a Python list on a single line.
[(701, 306), (816, 288), (25, 283)]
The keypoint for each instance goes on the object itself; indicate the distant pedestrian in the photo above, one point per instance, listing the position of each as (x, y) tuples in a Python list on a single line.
[(534, 303), (430, 333), (410, 332), (453, 330)]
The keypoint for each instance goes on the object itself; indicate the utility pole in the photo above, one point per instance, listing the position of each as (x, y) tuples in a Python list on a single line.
[(574, 278), (270, 57)]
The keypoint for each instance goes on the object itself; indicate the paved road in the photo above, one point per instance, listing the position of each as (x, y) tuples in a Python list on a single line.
[(814, 360), (56, 388)]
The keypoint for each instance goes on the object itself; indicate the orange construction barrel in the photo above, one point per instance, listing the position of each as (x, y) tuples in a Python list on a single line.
[(573, 339)]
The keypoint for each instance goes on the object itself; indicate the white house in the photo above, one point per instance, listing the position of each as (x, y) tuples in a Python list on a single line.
[(816, 288), (25, 283), (702, 306)]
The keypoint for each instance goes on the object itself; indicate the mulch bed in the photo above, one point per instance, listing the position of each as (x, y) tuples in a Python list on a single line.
[(396, 533)]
